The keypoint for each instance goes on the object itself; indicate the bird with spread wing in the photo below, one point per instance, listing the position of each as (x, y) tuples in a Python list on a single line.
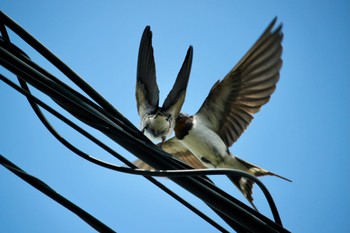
[(203, 139)]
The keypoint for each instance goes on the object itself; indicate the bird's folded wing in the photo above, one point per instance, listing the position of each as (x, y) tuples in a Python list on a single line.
[(175, 148), (147, 92), (176, 97)]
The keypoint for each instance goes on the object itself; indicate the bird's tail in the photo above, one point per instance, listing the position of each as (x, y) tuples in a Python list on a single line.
[(245, 185)]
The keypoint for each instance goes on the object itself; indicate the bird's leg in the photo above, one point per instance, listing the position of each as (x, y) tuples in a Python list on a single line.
[(162, 143), (143, 129)]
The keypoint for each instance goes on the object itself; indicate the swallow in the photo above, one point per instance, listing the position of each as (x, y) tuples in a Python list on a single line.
[(204, 139), (158, 122), (229, 108)]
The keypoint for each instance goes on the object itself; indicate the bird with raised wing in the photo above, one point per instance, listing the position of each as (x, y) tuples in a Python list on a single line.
[(158, 122), (228, 110)]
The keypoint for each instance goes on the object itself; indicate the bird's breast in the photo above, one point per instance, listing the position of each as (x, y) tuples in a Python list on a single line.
[(206, 145), (158, 126), (182, 127)]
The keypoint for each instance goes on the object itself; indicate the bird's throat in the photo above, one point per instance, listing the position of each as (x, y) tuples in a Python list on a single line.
[(182, 127)]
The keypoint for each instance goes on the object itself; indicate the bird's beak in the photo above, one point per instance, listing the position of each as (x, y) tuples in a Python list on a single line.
[(158, 113)]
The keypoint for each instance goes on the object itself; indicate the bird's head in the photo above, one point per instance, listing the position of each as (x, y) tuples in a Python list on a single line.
[(183, 116)]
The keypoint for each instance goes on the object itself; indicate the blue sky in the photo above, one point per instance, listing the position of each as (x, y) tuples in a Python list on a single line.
[(302, 133)]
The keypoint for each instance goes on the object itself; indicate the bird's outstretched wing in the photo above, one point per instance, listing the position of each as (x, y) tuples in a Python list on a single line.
[(231, 103), (147, 92), (176, 97), (175, 148)]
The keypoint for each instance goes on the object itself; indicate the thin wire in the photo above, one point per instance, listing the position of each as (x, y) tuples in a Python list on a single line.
[(47, 190)]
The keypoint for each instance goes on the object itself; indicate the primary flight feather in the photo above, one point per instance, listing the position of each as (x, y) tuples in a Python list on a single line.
[(158, 122)]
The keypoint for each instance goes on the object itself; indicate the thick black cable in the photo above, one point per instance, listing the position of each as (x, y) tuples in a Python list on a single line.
[(112, 110), (13, 65), (115, 134), (128, 142), (134, 170), (96, 161), (75, 78)]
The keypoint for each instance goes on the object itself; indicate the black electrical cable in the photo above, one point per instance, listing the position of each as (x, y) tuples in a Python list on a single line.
[(134, 171), (124, 133), (47, 190), (39, 85), (25, 91), (14, 63)]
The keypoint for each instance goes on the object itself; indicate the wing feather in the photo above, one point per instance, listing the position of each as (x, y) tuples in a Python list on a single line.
[(175, 148), (231, 103), (176, 97), (147, 92)]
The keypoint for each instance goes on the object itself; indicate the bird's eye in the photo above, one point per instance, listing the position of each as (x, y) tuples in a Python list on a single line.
[(182, 115)]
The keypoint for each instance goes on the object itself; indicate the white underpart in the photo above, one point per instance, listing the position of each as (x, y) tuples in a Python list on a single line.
[(207, 144), (157, 126)]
